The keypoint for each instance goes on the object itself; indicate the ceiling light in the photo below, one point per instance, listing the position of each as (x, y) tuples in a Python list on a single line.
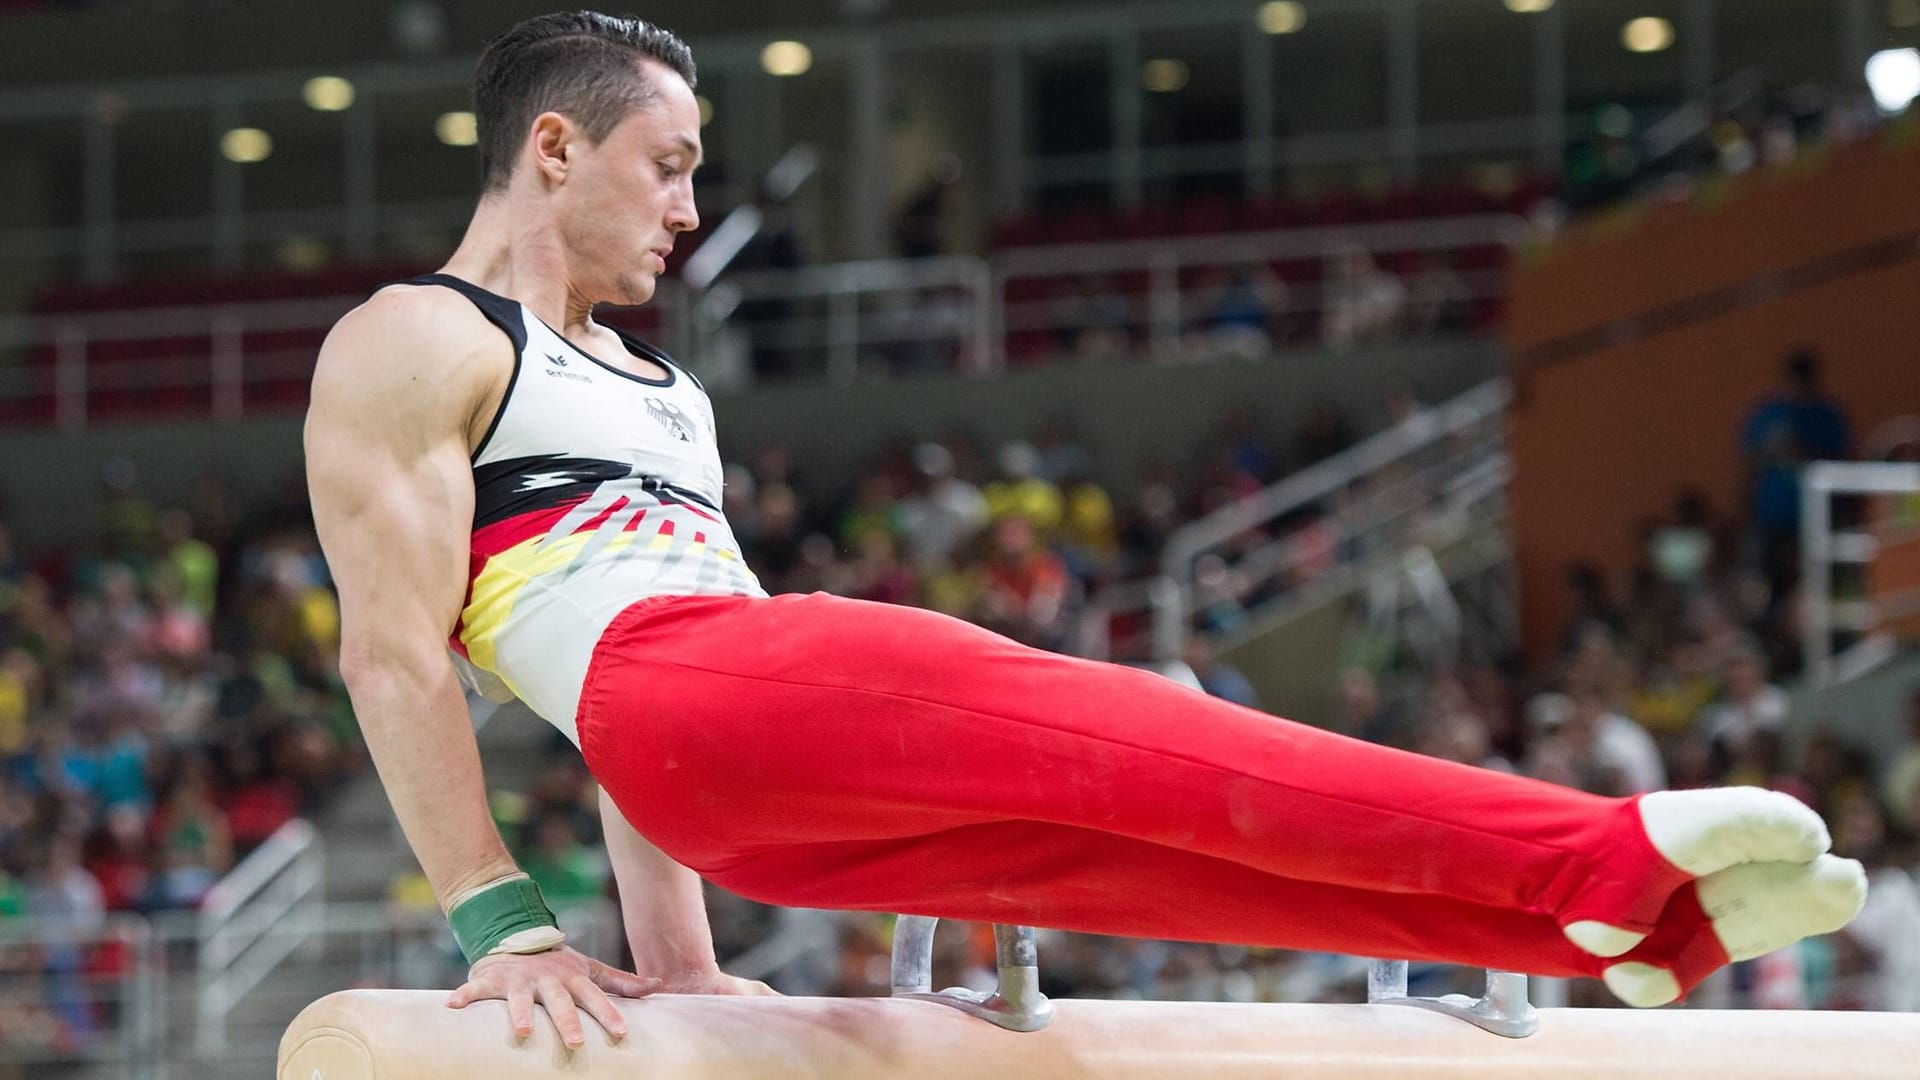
[(1894, 77), (244, 146), (1283, 16), (457, 128), (1164, 76), (328, 93), (706, 108), (786, 58), (1529, 7), (1647, 35)]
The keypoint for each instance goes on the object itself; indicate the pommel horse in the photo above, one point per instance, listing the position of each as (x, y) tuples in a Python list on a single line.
[(1016, 1033)]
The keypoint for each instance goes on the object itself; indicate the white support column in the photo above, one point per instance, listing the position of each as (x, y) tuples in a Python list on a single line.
[(229, 191), (1009, 127), (98, 177), (1696, 49), (360, 150), (871, 204), (1123, 82), (1256, 90), (1550, 87), (1403, 86)]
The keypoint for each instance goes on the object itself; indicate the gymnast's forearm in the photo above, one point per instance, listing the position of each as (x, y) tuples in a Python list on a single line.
[(417, 729), (661, 902)]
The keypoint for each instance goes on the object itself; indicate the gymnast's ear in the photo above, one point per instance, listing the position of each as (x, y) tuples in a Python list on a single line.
[(551, 141)]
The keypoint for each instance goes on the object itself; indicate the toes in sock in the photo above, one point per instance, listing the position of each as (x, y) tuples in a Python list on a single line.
[(1709, 830), (1738, 914), (1698, 833)]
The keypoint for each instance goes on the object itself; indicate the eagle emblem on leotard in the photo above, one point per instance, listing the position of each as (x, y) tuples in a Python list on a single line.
[(671, 418)]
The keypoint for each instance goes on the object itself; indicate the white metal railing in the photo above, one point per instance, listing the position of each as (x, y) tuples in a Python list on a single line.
[(1822, 548), (837, 321), (1164, 311), (74, 995), (1419, 484), (251, 920)]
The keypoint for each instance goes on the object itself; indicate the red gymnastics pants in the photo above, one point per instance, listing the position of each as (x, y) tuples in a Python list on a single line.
[(813, 751)]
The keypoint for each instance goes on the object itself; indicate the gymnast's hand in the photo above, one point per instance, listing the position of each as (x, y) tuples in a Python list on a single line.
[(714, 981), (563, 980)]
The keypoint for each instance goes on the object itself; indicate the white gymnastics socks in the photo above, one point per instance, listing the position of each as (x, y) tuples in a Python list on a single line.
[(1706, 831), (1752, 910)]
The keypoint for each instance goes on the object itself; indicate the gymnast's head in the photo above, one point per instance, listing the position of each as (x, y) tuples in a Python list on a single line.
[(589, 133)]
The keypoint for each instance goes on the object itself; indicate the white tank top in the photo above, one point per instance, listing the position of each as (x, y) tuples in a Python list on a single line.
[(594, 488)]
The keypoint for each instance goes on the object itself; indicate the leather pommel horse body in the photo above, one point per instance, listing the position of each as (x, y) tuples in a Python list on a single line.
[(412, 1035)]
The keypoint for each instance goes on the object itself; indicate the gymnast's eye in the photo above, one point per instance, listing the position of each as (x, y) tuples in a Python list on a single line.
[(667, 171)]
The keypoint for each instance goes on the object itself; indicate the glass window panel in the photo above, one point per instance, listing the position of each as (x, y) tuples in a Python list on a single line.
[(1203, 103), (42, 174), (307, 169), (1476, 61), (411, 164), (163, 165), (1331, 75), (1787, 42), (1601, 70), (1069, 101), (1069, 98), (933, 131), (816, 110)]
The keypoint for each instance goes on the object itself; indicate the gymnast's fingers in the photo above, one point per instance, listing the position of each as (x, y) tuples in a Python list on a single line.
[(559, 1003), (622, 983), (520, 1009), (594, 1001)]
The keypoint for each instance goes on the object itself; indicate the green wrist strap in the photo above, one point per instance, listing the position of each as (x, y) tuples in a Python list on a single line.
[(508, 915)]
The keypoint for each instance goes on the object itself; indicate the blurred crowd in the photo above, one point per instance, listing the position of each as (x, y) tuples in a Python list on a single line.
[(169, 697), (168, 700)]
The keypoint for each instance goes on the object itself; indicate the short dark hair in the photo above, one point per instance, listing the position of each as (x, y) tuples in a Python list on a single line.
[(580, 63)]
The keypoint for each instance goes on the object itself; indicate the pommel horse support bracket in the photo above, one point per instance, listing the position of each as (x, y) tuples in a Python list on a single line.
[(412, 1035)]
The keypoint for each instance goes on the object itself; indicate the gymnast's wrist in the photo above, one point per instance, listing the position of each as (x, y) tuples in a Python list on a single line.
[(505, 915)]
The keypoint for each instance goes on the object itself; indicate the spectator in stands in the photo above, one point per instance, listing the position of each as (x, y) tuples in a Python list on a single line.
[(1217, 677), (940, 511), (1091, 318), (1028, 590), (877, 572), (1324, 433), (194, 565), (1682, 550), (1901, 786), (568, 872), (1798, 423), (1364, 304), (118, 860), (191, 836), (1583, 741), (1886, 934), (1022, 490), (1439, 301), (1749, 707), (1240, 311)]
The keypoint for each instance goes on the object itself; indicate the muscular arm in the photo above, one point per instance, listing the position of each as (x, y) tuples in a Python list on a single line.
[(392, 492), (661, 902), (665, 914)]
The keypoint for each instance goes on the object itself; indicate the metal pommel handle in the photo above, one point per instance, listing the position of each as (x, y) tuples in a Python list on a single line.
[(1016, 1004), (1503, 1010)]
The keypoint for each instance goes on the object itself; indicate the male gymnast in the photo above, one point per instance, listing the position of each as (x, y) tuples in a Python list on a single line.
[(492, 468)]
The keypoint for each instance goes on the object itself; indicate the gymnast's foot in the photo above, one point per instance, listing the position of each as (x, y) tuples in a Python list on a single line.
[(1737, 914), (1700, 834)]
